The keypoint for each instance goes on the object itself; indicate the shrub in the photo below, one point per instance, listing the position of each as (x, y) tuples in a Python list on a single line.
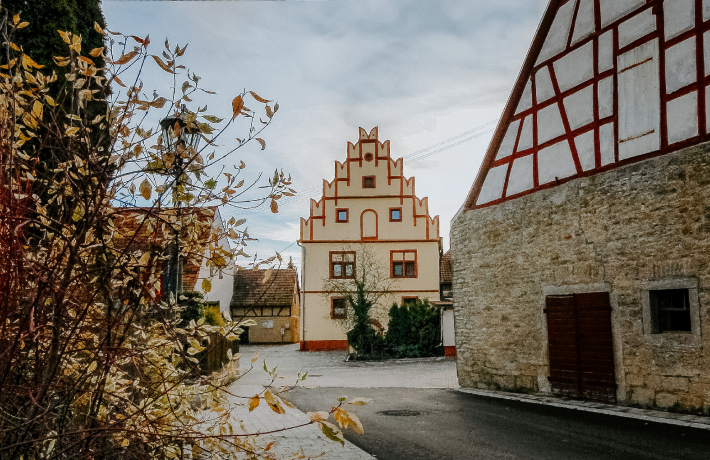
[(414, 330)]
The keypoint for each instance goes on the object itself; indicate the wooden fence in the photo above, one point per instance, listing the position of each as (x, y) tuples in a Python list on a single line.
[(214, 357)]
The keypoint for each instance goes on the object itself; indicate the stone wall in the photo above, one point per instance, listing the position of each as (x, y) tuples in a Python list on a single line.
[(623, 231)]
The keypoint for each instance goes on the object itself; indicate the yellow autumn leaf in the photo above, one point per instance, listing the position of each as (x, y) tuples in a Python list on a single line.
[(237, 106), (145, 189), (319, 416), (76, 43), (98, 28), (65, 36), (331, 432), (50, 100), (22, 25), (71, 131), (274, 206), (253, 402), (267, 275), (37, 110), (125, 443), (92, 367), (145, 258), (258, 98), (16, 19), (206, 285), (96, 52)]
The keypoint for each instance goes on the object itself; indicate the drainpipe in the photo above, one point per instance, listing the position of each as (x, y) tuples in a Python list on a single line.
[(302, 326)]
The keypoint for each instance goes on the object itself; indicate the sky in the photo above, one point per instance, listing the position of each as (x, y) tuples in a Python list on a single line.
[(433, 75)]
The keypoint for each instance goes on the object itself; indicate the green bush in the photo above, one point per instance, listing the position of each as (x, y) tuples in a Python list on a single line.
[(193, 307), (414, 330)]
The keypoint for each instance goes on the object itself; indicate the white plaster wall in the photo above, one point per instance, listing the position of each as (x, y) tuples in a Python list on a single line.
[(556, 39), (575, 68), (584, 26), (508, 143), (521, 175), (579, 107), (636, 27), (493, 185), (585, 150), (222, 286), (526, 135), (678, 17), (707, 108), (447, 320), (606, 51), (706, 10), (680, 65), (611, 10), (555, 162), (682, 118), (549, 123), (606, 143), (606, 97), (706, 52), (543, 85), (526, 99), (639, 101)]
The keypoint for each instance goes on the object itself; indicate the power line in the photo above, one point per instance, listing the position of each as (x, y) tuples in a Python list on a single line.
[(408, 159)]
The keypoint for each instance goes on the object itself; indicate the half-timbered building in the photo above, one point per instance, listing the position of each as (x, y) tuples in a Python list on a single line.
[(581, 255)]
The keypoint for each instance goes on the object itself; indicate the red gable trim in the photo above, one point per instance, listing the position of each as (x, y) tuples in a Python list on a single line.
[(513, 100)]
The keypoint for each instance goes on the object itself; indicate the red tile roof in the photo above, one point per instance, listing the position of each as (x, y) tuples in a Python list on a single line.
[(135, 235), (446, 275), (278, 291)]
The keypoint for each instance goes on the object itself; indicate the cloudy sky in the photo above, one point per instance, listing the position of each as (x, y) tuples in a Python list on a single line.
[(430, 73)]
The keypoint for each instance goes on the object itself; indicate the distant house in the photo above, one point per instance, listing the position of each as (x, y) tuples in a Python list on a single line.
[(581, 254), (133, 231), (446, 303), (368, 204), (272, 301)]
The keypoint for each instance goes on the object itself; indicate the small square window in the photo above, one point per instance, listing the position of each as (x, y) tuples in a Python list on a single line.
[(368, 182), (403, 264), (342, 264), (670, 310), (338, 308), (341, 215), (409, 301), (395, 214)]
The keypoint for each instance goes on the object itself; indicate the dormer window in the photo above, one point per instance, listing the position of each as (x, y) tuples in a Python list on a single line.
[(368, 181), (341, 215)]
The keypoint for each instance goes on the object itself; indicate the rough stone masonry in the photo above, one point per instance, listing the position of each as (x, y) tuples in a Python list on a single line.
[(635, 228)]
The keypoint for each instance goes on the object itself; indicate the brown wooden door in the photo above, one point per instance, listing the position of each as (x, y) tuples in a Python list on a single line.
[(580, 346)]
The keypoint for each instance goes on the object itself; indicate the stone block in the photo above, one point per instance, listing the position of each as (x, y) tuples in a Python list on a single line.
[(666, 400)]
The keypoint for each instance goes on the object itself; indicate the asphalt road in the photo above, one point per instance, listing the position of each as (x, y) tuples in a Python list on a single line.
[(458, 426)]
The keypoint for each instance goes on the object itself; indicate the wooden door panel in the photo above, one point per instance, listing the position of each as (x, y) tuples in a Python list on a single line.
[(580, 345)]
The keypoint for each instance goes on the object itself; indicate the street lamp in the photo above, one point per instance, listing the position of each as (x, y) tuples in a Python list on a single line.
[(180, 139)]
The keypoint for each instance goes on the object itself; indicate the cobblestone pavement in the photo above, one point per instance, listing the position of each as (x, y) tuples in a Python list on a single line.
[(325, 369)]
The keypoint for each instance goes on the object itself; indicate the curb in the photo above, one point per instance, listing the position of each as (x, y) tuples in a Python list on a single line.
[(690, 421)]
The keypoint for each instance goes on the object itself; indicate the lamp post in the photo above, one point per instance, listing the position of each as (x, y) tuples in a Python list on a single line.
[(181, 140)]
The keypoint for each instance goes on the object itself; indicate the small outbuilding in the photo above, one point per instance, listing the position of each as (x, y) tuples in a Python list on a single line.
[(270, 300)]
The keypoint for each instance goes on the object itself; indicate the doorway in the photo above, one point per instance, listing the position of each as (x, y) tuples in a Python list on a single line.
[(581, 346)]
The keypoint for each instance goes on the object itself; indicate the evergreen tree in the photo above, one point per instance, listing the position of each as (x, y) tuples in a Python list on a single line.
[(40, 38)]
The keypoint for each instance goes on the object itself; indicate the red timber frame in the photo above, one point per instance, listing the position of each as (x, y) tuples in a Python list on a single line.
[(530, 68), (371, 138)]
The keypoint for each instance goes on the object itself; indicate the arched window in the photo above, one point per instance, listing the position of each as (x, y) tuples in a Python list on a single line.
[(368, 225)]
